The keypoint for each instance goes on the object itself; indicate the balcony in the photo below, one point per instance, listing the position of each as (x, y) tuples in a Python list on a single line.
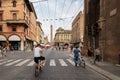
[(17, 22)]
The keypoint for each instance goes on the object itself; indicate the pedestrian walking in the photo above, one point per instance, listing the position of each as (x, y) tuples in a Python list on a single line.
[(76, 52), (97, 55), (3, 52)]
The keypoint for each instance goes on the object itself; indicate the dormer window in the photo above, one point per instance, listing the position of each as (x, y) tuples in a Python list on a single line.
[(14, 3)]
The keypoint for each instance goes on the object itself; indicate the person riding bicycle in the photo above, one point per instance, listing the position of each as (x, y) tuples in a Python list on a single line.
[(76, 52), (38, 54)]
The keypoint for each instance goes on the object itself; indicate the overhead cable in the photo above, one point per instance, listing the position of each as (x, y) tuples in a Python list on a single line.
[(63, 8), (82, 3)]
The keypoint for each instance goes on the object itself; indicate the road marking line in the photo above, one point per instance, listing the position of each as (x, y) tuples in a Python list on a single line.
[(2, 60), (6, 62), (13, 62), (52, 62), (31, 63), (71, 61), (23, 62), (62, 62)]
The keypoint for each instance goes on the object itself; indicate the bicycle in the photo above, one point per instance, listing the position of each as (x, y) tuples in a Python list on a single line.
[(81, 62), (38, 68)]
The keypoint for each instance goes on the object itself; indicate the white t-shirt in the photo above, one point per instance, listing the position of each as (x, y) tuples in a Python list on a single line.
[(37, 52)]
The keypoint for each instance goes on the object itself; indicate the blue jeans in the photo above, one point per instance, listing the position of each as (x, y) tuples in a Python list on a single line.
[(76, 58)]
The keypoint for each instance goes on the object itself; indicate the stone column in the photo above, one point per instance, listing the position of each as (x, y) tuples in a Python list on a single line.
[(22, 45), (102, 27)]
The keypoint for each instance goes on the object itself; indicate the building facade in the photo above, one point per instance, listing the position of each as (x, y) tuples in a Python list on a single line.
[(39, 30), (17, 24), (62, 37), (103, 30), (42, 36), (46, 41), (78, 29)]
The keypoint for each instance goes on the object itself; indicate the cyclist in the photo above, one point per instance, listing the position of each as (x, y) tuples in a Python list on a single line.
[(76, 52), (38, 55)]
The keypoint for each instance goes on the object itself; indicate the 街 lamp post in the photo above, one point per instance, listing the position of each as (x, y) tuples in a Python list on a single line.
[(101, 22)]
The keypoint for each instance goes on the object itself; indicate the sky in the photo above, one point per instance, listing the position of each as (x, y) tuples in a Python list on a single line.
[(58, 13)]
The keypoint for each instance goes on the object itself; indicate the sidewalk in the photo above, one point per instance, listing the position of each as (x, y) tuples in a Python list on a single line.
[(107, 69), (8, 54)]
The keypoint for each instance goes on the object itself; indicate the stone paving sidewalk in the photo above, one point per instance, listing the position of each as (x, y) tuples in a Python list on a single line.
[(109, 70)]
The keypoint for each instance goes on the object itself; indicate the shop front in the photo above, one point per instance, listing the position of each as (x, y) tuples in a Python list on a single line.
[(3, 41), (15, 42)]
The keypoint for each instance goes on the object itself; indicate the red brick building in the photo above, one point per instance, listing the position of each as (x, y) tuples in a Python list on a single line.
[(17, 24), (102, 28)]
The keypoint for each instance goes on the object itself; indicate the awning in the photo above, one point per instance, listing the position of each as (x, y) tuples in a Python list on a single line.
[(14, 38), (2, 38)]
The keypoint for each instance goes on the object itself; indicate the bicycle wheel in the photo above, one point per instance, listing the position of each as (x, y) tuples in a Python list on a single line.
[(83, 63), (36, 72)]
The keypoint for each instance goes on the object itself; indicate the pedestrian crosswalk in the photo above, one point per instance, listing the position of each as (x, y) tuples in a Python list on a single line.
[(30, 62), (62, 62), (52, 62)]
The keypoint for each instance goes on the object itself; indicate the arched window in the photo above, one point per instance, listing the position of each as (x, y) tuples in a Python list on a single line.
[(14, 3)]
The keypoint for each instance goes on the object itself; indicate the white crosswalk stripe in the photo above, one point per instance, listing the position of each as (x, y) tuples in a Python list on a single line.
[(30, 62), (2, 60), (52, 62), (62, 62), (6, 62), (13, 62), (23, 62), (71, 61)]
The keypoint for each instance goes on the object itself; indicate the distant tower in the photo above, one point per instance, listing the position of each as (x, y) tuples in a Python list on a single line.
[(51, 33)]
